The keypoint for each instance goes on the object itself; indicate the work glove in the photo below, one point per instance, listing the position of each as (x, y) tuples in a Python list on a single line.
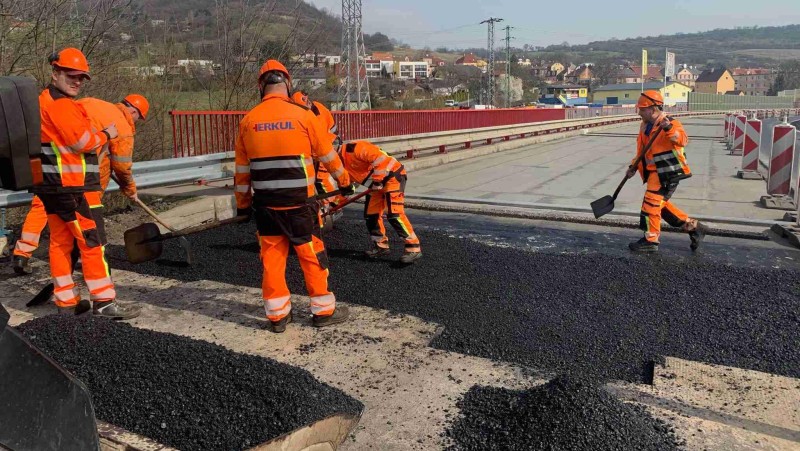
[(246, 212), (134, 197), (630, 172), (348, 190), (663, 122)]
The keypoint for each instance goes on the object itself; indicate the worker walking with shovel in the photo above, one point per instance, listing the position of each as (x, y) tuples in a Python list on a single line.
[(661, 162)]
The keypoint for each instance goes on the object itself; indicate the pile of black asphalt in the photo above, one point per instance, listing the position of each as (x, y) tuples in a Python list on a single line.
[(566, 414), (184, 393), (588, 312)]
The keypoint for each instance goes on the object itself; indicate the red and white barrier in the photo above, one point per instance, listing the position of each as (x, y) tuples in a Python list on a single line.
[(727, 128), (738, 135), (751, 147), (780, 163)]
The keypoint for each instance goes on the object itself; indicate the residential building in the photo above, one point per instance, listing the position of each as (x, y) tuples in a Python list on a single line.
[(469, 60), (309, 77), (567, 91), (715, 81), (628, 93), (373, 68), (735, 92), (382, 56), (410, 70), (582, 74), (524, 62), (633, 74), (196, 67), (753, 82), (688, 76)]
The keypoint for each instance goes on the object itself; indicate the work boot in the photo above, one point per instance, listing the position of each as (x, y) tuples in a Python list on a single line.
[(643, 246), (410, 257), (83, 306), (340, 315), (697, 235), (22, 265), (279, 326), (115, 310), (377, 251)]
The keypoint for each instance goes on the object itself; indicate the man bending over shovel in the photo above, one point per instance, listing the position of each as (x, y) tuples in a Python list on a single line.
[(663, 166)]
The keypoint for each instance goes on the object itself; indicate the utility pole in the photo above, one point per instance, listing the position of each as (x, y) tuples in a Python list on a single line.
[(490, 67), (355, 86), (508, 65)]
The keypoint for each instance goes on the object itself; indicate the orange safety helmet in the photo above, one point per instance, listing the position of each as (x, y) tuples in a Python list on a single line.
[(72, 60), (139, 102), (301, 98), (650, 98), (270, 67)]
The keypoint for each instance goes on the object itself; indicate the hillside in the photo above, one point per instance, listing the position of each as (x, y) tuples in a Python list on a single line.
[(726, 46)]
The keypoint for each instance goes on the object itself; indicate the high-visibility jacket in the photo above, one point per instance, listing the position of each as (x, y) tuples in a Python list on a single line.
[(275, 150), (367, 163), (117, 154), (325, 115), (666, 156), (69, 161)]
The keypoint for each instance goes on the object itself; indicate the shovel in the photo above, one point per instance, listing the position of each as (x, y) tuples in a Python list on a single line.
[(605, 204), (346, 203), (145, 241)]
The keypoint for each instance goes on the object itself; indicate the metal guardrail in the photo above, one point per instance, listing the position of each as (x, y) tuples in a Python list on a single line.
[(220, 165), (154, 173)]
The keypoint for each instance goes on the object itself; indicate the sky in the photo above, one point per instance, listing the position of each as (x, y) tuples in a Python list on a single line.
[(456, 24)]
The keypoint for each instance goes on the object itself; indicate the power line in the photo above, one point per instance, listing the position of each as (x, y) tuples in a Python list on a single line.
[(356, 84)]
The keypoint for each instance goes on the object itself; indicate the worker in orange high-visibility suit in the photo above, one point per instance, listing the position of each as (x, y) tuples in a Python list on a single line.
[(118, 154), (325, 182), (374, 168), (275, 150), (663, 166), (68, 184)]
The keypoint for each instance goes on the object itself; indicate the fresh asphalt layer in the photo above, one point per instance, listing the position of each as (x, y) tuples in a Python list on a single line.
[(552, 297)]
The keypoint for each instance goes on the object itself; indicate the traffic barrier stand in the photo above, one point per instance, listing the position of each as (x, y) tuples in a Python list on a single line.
[(727, 129), (752, 144), (780, 193), (738, 135), (791, 229), (731, 131)]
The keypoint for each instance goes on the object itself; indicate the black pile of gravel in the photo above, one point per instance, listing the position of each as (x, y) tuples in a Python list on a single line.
[(586, 312), (565, 414), (184, 393)]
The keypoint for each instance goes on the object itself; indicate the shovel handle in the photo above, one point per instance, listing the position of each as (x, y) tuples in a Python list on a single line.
[(637, 161), (153, 215), (347, 202)]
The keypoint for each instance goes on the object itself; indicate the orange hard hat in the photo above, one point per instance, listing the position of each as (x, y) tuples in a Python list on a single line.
[(71, 59), (650, 98), (301, 98), (272, 66), (139, 102)]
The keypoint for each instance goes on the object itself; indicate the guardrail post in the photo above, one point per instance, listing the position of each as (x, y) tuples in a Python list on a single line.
[(442, 149), (411, 153), (468, 144), (489, 141), (506, 138)]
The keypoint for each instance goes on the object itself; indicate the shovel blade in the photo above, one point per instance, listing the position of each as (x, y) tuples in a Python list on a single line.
[(142, 243), (602, 206)]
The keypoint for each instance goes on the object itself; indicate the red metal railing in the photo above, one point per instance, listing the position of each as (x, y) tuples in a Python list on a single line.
[(204, 132)]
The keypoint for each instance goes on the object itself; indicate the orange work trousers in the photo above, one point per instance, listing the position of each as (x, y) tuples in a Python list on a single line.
[(656, 205), (72, 221), (300, 227), (391, 201), (35, 222)]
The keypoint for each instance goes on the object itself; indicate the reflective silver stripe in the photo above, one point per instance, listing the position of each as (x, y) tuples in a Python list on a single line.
[(242, 169), (63, 281), (379, 173), (328, 157), (280, 164), (49, 169), (32, 237), (673, 168), (337, 173), (106, 295), (242, 188), (121, 159), (378, 161), (98, 283), (334, 129), (322, 303), (64, 295), (24, 247), (648, 161), (280, 184), (47, 150), (278, 306), (92, 168), (81, 143), (663, 157)]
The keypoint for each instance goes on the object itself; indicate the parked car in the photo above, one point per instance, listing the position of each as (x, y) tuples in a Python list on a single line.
[(450, 102)]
